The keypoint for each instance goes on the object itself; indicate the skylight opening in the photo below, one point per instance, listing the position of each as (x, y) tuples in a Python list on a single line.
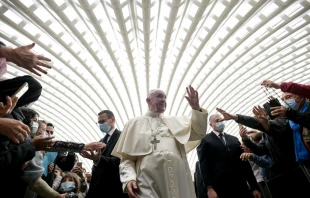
[(125, 12), (98, 12), (218, 9), (210, 22), (244, 9), (269, 9), (293, 9), (13, 17), (70, 13), (193, 10), (43, 15), (28, 4)]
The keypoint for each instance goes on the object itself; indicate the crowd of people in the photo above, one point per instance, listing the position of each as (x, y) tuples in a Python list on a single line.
[(148, 158)]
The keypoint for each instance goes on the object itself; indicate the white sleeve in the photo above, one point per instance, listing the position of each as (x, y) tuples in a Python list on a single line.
[(127, 170)]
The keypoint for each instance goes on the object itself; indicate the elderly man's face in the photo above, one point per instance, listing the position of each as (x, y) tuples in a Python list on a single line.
[(214, 120), (287, 96), (157, 101)]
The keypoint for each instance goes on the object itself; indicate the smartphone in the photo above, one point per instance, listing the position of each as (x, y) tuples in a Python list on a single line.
[(20, 92), (79, 164), (274, 102)]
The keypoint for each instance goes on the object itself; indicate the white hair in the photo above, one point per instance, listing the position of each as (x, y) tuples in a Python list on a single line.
[(152, 91), (212, 116)]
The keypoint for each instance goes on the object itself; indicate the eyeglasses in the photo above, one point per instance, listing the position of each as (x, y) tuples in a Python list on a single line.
[(102, 121)]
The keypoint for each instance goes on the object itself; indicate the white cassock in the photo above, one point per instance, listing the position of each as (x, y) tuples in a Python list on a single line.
[(161, 170)]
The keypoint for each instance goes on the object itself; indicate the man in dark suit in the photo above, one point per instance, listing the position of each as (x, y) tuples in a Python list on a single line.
[(223, 173), (105, 181)]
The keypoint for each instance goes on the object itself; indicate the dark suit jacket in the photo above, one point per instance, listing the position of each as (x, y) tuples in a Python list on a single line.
[(222, 168), (199, 187), (105, 181)]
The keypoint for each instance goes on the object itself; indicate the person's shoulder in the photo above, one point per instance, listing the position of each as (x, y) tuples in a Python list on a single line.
[(230, 136), (137, 118)]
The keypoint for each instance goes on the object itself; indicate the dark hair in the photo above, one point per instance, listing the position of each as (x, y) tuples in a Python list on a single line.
[(2, 44), (28, 114), (50, 124), (108, 112)]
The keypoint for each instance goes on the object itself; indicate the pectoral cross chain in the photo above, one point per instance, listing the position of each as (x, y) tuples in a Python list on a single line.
[(155, 142)]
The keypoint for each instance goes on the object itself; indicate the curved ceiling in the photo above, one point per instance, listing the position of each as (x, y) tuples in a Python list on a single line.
[(109, 54)]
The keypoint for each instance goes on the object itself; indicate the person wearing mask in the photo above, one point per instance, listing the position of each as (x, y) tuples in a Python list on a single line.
[(296, 109), (105, 179), (278, 142), (290, 87), (223, 173), (63, 160), (70, 184)]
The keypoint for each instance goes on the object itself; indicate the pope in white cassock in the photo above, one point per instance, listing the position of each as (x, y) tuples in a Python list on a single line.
[(153, 148)]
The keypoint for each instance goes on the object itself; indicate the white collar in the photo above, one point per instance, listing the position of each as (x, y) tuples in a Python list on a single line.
[(218, 133), (111, 132), (154, 114)]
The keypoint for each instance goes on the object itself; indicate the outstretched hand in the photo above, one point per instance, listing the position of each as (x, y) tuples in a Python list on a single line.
[(91, 154), (270, 84), (226, 116), (192, 98), (23, 57), (260, 114)]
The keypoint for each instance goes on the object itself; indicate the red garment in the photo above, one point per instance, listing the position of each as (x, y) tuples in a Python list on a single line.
[(295, 88)]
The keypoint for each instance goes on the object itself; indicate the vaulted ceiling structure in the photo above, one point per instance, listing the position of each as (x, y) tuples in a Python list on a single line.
[(109, 54)]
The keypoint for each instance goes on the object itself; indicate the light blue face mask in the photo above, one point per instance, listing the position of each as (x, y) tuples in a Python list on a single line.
[(291, 103), (219, 126), (104, 128), (67, 187)]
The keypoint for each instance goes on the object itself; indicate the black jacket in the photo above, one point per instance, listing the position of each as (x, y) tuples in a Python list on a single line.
[(105, 181), (278, 142), (222, 168)]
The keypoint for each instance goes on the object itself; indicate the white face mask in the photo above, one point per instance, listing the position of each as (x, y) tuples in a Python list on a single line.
[(34, 127)]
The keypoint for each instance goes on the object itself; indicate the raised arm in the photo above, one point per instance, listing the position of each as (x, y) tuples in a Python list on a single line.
[(199, 116)]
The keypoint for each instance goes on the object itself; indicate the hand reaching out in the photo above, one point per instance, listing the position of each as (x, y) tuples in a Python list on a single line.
[(10, 105), (23, 57), (246, 156), (226, 116), (243, 133), (271, 84), (260, 114), (92, 155), (42, 143)]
